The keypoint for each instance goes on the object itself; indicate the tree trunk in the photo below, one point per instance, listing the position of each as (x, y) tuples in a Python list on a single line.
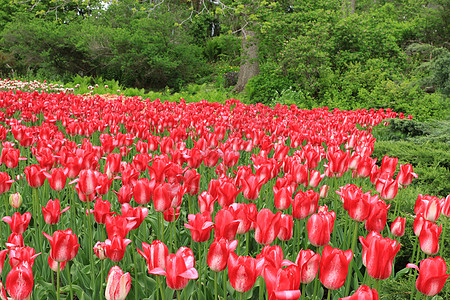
[(249, 59)]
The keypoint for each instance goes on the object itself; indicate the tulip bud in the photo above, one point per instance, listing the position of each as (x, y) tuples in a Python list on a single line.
[(99, 250), (398, 227), (118, 285), (15, 200)]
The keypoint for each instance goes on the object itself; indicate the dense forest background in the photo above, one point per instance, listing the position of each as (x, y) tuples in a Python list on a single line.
[(336, 53)]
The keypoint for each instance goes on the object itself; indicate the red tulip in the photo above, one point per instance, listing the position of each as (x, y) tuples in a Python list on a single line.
[(115, 247), (337, 160), (19, 282), (389, 189), (219, 252), (64, 245), (137, 214), (230, 158), (206, 202), (355, 202), (54, 265), (35, 177), (245, 214), (388, 165), (320, 226), (242, 272), (57, 178), (405, 175), (3, 254), (3, 295), (172, 214), (267, 226), (112, 165), (18, 223), (282, 195), (118, 284), (226, 225), (308, 263), (192, 181), (429, 206), (118, 225), (398, 227), (161, 197), (103, 183), (15, 240), (334, 267), (142, 191), (432, 277), (200, 226), (315, 178), (323, 193), (363, 293), (124, 194), (378, 216), (419, 220), (52, 212), (179, 269), (429, 237), (22, 255), (155, 254), (378, 254), (286, 227), (87, 181), (282, 284), (101, 210), (10, 157), (446, 206), (304, 204)]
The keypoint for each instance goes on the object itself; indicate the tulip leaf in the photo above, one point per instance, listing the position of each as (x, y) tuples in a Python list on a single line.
[(401, 273)]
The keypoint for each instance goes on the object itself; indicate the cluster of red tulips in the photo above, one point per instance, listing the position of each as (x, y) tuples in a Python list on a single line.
[(222, 201)]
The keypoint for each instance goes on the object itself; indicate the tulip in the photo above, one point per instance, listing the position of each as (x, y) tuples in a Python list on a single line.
[(334, 267), (99, 250), (35, 177), (22, 255), (398, 227), (446, 206), (308, 263), (18, 223), (226, 225), (101, 210), (172, 214), (64, 245), (429, 237), (378, 255), (227, 192), (118, 284), (3, 254), (320, 225), (267, 226), (15, 240), (251, 187), (179, 269), (219, 252), (286, 227), (3, 295), (378, 216), (323, 192), (405, 175), (161, 197), (124, 194), (245, 214), (10, 157), (54, 265), (206, 202), (5, 182), (15, 200), (388, 165), (142, 191), (192, 181), (118, 225), (112, 165), (282, 284), (137, 214), (87, 181), (57, 178), (430, 206), (200, 226), (269, 256), (242, 272), (19, 282), (363, 293), (282, 195), (103, 183), (52, 212), (432, 277), (389, 189), (155, 254), (230, 158), (304, 204), (355, 202), (115, 248), (419, 220), (337, 160)]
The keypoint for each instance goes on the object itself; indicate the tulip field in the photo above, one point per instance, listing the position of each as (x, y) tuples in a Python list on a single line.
[(113, 197)]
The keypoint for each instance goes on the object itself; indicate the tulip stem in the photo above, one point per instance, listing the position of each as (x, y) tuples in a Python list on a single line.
[(329, 295), (247, 242), (101, 278), (350, 267), (160, 286), (215, 286), (135, 267), (90, 248), (161, 224), (224, 284), (57, 282), (261, 288), (70, 280)]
